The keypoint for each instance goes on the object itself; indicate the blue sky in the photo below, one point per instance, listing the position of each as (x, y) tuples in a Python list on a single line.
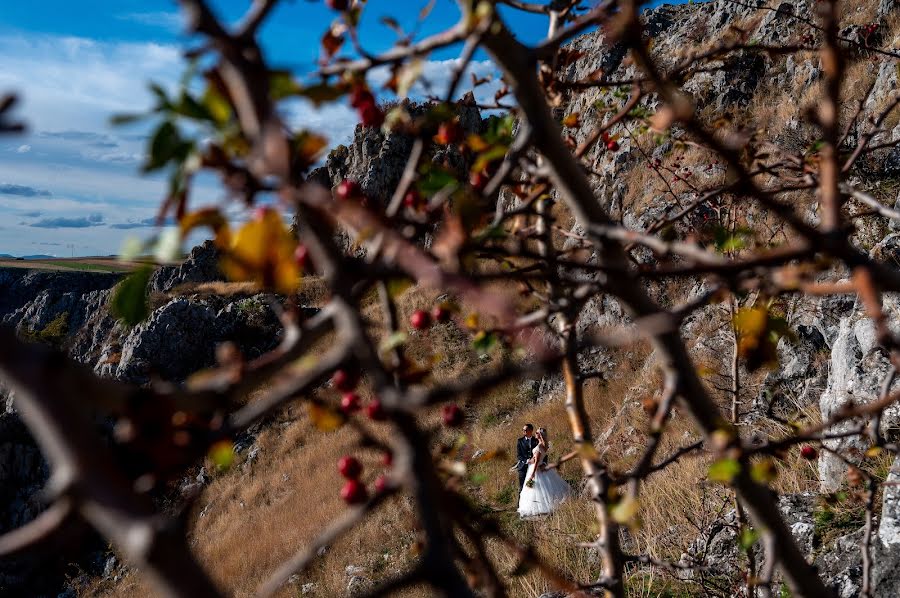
[(71, 185)]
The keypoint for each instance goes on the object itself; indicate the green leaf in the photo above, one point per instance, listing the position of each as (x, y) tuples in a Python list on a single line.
[(164, 145), (499, 129), (397, 339), (434, 179), (321, 93), (484, 342), (748, 538), (724, 470), (129, 300), (397, 286), (126, 119), (162, 98), (189, 107), (282, 85), (495, 152)]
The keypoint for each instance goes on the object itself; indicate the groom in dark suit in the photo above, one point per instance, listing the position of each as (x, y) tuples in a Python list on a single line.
[(524, 447)]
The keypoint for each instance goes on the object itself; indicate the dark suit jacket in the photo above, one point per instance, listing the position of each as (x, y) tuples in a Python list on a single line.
[(523, 451)]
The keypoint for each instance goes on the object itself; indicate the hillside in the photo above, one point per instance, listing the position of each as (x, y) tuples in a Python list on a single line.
[(281, 489)]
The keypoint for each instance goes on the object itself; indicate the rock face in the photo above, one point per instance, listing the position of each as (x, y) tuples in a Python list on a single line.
[(33, 298), (23, 473), (201, 265), (376, 161), (74, 308)]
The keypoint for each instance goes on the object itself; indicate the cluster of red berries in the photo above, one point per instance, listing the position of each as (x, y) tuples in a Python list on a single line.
[(610, 143), (369, 113), (354, 491), (346, 381), (422, 320), (870, 29), (338, 4), (413, 200)]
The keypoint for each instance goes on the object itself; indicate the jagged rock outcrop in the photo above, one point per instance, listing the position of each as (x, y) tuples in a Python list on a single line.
[(191, 327), (201, 265), (33, 298), (376, 160)]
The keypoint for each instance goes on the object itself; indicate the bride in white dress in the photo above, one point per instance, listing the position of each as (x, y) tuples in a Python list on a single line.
[(543, 489)]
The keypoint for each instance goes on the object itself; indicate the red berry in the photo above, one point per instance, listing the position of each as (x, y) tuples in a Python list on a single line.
[(348, 189), (808, 452), (612, 146), (354, 492), (301, 256), (350, 403), (448, 132), (478, 180), (381, 484), (420, 320), (605, 136), (412, 199), (375, 410), (387, 459), (338, 4), (350, 467), (452, 415), (344, 380), (440, 313)]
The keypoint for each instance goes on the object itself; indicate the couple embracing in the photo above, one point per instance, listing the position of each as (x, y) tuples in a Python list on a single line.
[(540, 489)]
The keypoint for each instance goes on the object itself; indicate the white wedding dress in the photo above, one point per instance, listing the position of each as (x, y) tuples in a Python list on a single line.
[(548, 491)]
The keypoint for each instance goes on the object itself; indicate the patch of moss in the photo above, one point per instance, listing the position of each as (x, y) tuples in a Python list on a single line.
[(53, 333)]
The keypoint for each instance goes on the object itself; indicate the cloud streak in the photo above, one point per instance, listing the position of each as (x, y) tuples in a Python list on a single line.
[(170, 21), (63, 222), (144, 223), (23, 190)]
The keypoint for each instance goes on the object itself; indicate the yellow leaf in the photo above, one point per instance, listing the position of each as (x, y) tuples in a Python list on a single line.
[(572, 120), (324, 418), (750, 324), (625, 511), (873, 451), (210, 217), (587, 451), (476, 143), (262, 251), (764, 471), (222, 454)]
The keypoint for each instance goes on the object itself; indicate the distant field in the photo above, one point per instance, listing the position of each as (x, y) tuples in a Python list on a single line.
[(82, 264)]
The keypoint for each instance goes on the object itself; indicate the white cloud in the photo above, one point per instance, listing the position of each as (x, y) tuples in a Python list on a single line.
[(170, 21), (436, 77), (65, 80), (23, 149)]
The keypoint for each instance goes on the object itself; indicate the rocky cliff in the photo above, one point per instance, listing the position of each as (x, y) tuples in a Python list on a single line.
[(71, 311)]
